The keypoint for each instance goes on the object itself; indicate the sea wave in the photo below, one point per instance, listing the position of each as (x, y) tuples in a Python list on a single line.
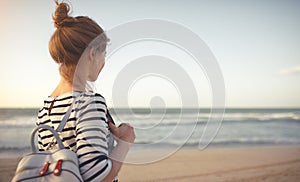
[(28, 117), (231, 142), (18, 122), (15, 149)]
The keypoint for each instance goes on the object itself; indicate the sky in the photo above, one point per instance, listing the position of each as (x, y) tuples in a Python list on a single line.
[(256, 44)]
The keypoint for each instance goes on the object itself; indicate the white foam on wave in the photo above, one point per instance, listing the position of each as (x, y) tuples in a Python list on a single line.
[(18, 121)]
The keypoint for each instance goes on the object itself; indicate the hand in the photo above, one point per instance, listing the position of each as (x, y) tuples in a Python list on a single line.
[(123, 132)]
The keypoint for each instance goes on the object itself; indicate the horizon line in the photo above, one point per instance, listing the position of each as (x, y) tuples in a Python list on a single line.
[(229, 107)]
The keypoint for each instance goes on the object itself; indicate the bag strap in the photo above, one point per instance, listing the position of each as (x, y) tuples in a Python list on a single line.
[(63, 121), (68, 113), (33, 148), (109, 118), (65, 118)]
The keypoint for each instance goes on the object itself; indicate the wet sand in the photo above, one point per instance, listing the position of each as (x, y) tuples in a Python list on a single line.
[(230, 164)]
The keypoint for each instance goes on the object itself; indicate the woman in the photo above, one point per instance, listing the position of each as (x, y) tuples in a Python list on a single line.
[(79, 45)]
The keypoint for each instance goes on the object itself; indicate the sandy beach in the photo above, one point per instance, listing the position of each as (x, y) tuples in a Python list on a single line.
[(235, 164)]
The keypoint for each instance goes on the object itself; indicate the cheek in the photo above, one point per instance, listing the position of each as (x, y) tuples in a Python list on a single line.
[(101, 62), (100, 68), (100, 65)]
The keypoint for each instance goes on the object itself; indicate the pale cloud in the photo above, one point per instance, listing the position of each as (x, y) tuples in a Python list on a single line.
[(290, 71)]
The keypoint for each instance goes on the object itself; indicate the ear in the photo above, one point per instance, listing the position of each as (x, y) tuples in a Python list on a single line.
[(92, 54)]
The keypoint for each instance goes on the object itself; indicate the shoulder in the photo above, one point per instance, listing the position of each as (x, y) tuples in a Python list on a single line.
[(90, 95), (90, 109), (90, 98)]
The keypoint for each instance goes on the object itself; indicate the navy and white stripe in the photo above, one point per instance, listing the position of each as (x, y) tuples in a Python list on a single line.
[(86, 131)]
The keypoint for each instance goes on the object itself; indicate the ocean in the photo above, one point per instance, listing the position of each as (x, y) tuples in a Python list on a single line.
[(159, 128)]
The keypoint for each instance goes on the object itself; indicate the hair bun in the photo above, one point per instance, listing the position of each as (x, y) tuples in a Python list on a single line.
[(61, 16)]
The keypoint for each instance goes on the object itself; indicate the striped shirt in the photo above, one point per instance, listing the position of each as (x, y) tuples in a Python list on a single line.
[(86, 131)]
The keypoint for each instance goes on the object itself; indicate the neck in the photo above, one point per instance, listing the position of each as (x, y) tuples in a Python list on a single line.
[(65, 86)]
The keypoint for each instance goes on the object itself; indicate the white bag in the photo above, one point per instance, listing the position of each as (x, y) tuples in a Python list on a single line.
[(54, 165)]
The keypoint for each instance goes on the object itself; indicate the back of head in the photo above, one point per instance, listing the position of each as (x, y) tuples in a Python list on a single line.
[(71, 38)]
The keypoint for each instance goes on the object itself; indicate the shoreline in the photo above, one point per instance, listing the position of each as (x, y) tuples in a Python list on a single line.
[(271, 163)]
